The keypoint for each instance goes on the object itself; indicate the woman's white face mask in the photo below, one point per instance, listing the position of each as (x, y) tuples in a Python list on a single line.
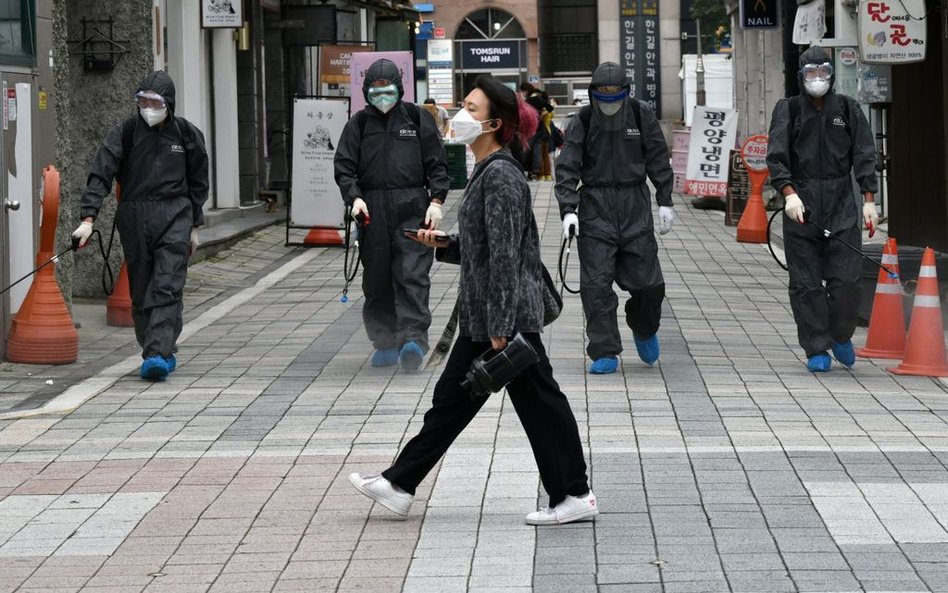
[(466, 128)]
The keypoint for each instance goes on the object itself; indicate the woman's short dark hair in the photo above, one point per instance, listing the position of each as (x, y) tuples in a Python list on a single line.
[(519, 119)]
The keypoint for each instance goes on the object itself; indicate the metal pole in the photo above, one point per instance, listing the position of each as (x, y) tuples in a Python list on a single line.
[(699, 71)]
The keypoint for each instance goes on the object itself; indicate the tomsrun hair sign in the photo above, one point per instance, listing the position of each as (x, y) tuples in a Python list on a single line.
[(491, 55)]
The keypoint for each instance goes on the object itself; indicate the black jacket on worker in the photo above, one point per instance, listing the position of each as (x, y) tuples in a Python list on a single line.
[(818, 152), (396, 163), (163, 173), (613, 157)]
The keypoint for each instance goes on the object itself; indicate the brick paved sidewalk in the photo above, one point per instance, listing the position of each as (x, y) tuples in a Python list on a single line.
[(726, 467)]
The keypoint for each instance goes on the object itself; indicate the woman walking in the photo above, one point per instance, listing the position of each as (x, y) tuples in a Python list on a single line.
[(500, 295)]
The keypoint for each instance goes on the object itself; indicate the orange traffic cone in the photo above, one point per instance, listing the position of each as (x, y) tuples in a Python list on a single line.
[(42, 332), (323, 236), (118, 307), (925, 353), (886, 337), (752, 227)]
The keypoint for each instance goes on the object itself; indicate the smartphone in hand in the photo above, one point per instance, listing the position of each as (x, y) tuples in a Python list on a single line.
[(413, 234)]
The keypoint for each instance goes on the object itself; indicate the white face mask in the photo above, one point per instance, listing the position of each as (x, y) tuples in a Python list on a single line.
[(610, 109), (816, 87), (466, 128), (152, 116)]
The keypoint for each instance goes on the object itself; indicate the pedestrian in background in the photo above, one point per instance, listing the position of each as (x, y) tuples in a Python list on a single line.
[(540, 167), (612, 146), (498, 248), (160, 162), (441, 118), (818, 140), (391, 168)]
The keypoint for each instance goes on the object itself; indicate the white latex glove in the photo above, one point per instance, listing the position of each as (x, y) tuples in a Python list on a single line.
[(193, 242), (793, 206), (83, 232), (666, 216), (570, 220), (359, 207), (870, 215), (433, 216)]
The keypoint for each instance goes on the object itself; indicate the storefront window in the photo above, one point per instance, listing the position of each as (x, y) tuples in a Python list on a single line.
[(490, 24), (17, 31)]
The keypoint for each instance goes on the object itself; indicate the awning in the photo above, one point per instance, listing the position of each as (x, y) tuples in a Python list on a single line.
[(401, 8)]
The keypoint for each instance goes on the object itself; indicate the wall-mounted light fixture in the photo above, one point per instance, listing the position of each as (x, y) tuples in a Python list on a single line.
[(242, 36)]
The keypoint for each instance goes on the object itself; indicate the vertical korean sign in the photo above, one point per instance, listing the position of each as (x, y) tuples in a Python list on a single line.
[(317, 127), (892, 31), (712, 138), (639, 38)]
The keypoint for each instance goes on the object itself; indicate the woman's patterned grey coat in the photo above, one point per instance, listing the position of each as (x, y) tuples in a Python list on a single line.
[(498, 247)]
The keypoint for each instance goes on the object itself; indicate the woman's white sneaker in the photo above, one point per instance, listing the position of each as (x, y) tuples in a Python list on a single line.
[(383, 492), (572, 509)]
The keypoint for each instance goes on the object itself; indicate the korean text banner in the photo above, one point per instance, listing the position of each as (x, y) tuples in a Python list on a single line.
[(359, 65), (317, 127), (892, 31), (712, 137)]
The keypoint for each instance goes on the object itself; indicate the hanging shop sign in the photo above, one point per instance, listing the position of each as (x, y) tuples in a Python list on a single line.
[(334, 69), (892, 31), (221, 13), (759, 14)]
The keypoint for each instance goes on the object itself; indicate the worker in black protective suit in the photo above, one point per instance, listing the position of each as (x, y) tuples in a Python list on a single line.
[(160, 161), (612, 146), (391, 168), (818, 139)]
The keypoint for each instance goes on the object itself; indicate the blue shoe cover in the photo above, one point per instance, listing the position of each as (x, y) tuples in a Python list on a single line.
[(819, 363), (604, 366), (172, 363), (385, 358), (411, 356), (845, 354), (647, 349), (154, 368)]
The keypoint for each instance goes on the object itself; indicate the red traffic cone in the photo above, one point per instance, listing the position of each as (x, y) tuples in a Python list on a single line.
[(752, 227), (42, 332), (925, 353), (118, 307), (886, 337)]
